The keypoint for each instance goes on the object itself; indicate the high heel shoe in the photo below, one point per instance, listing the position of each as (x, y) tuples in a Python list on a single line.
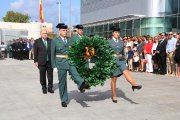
[(137, 87), (114, 101)]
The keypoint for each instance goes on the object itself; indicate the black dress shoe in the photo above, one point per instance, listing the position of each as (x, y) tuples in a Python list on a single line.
[(162, 73), (44, 91), (51, 90), (83, 87), (64, 104), (136, 87)]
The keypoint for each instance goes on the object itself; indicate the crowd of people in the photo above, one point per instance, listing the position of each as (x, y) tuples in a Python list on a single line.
[(159, 54), (19, 49)]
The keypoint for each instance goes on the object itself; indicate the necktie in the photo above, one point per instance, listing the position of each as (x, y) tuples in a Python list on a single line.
[(65, 41), (45, 43), (116, 41)]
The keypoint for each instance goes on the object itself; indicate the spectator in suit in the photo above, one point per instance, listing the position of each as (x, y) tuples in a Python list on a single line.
[(42, 59), (161, 53), (177, 54), (21, 50)]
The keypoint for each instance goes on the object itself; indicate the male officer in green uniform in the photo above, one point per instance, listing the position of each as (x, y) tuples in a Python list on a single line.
[(59, 58), (79, 34), (118, 46)]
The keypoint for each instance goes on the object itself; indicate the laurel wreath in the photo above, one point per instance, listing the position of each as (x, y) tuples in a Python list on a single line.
[(89, 48)]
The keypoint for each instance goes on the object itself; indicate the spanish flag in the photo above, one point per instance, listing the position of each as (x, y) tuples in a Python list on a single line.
[(41, 14)]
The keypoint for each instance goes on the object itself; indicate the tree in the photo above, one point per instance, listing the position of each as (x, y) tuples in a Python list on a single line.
[(17, 17)]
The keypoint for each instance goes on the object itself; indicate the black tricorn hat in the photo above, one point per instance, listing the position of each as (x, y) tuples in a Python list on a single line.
[(115, 28), (59, 25), (79, 26)]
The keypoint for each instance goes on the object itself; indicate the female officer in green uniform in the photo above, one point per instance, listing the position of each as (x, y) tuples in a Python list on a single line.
[(59, 55), (118, 46)]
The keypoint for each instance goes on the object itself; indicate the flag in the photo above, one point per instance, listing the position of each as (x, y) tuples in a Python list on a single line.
[(41, 14)]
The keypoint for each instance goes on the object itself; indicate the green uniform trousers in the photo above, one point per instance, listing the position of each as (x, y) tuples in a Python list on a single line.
[(62, 76)]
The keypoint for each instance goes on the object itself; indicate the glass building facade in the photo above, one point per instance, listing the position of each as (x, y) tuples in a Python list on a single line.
[(138, 26)]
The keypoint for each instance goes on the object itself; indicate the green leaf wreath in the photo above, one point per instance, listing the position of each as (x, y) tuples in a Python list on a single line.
[(89, 47)]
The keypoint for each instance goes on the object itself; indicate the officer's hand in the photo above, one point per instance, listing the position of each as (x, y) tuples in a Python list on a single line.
[(55, 70), (36, 63)]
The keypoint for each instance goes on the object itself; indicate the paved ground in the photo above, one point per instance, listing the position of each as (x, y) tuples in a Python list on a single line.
[(21, 97)]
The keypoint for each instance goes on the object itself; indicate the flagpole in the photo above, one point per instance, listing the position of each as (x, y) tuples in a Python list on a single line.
[(69, 13), (59, 8)]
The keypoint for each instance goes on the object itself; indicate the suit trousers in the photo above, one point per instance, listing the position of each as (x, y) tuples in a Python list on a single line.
[(162, 63), (46, 70), (62, 76)]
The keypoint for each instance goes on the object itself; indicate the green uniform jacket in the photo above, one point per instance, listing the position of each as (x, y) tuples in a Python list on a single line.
[(76, 38), (59, 47), (120, 62)]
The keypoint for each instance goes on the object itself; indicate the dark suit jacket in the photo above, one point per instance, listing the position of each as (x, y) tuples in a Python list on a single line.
[(41, 52), (162, 47), (177, 52)]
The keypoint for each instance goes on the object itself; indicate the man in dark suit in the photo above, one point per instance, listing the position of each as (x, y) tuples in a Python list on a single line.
[(42, 59), (161, 53)]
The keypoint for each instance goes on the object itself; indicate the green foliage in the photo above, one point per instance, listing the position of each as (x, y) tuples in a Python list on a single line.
[(104, 63), (16, 17)]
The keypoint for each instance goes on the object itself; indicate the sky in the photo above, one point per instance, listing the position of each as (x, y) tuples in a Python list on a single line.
[(50, 8)]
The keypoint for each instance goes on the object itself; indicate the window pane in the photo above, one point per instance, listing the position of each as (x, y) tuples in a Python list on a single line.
[(122, 25), (105, 27), (137, 23), (129, 25), (91, 29), (116, 24), (171, 22), (136, 32), (128, 32), (123, 33), (110, 25), (171, 6), (101, 28)]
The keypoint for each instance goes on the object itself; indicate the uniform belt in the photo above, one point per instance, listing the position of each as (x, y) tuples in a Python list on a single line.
[(62, 56)]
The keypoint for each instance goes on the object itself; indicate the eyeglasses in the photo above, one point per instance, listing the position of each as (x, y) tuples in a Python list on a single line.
[(170, 34)]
